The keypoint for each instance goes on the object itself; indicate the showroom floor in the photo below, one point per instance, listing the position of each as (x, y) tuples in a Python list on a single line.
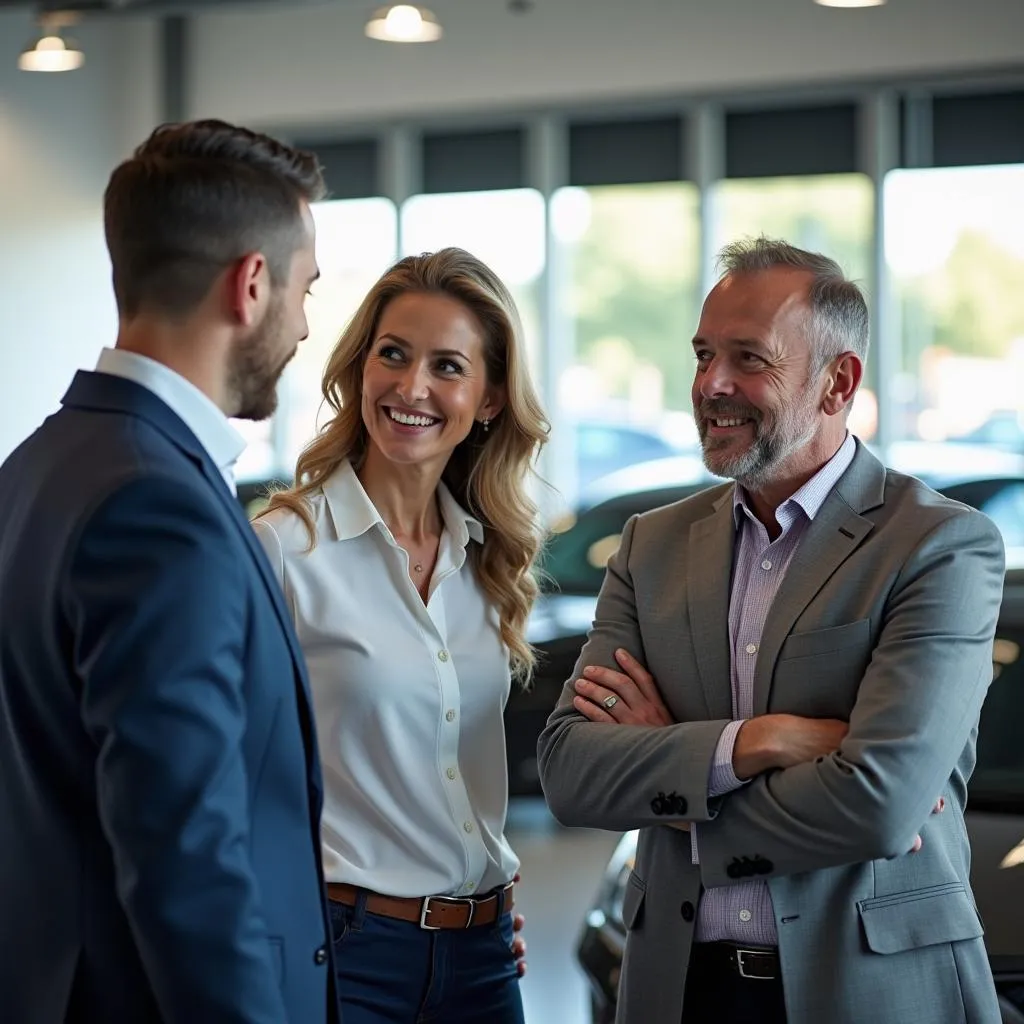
[(561, 869)]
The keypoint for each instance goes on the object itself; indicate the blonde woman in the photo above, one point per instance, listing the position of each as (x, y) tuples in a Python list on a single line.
[(405, 550)]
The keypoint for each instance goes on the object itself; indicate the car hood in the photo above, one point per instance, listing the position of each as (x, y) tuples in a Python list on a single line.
[(997, 878)]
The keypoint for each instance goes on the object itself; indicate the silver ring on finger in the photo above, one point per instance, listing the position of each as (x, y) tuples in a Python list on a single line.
[(610, 701)]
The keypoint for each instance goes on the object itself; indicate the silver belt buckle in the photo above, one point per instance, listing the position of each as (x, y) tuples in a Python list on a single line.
[(425, 909), (741, 953)]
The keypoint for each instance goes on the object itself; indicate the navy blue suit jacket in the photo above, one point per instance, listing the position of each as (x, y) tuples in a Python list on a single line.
[(160, 790)]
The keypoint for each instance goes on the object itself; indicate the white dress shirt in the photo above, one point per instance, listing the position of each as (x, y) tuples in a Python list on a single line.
[(408, 697), (199, 413)]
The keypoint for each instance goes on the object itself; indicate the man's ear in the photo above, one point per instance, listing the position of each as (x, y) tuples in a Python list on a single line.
[(843, 379), (248, 287)]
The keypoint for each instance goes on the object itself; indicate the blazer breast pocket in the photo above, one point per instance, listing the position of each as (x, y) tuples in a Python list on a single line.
[(921, 917), (818, 673)]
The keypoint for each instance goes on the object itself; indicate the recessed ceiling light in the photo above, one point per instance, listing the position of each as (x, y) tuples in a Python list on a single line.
[(850, 3), (404, 23), (50, 51)]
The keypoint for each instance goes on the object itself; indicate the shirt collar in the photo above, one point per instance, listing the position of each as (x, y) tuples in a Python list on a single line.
[(223, 443), (354, 513), (811, 496)]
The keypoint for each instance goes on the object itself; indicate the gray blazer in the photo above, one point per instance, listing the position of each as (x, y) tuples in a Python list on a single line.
[(885, 619)]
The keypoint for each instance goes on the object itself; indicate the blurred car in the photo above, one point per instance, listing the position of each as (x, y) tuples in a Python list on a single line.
[(995, 824), (1003, 429), (605, 446)]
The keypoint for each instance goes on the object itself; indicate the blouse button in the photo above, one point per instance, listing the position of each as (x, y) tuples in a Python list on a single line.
[(450, 715), (451, 774), (468, 826), (442, 655)]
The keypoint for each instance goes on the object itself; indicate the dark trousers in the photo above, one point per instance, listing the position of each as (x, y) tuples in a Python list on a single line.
[(716, 994), (394, 972)]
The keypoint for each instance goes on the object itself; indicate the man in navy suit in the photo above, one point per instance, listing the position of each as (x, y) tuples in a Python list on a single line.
[(159, 782)]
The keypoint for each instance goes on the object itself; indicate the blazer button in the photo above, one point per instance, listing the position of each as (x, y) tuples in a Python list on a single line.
[(681, 805), (763, 866), (687, 911), (320, 957)]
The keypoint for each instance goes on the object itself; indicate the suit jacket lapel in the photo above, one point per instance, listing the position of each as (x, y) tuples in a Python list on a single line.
[(835, 533), (709, 577)]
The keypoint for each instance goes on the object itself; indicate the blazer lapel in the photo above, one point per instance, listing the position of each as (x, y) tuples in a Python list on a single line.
[(709, 577), (835, 533)]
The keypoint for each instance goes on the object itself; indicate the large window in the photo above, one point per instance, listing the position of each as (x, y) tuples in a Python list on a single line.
[(827, 213), (355, 244), (954, 246), (505, 229), (627, 279), (608, 274)]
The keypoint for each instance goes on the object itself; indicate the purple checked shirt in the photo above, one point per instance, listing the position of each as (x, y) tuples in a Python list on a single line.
[(743, 912)]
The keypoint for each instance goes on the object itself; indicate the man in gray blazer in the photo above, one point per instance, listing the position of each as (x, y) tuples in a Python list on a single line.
[(817, 640)]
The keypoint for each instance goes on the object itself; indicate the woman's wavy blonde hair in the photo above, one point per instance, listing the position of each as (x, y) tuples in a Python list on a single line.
[(488, 472)]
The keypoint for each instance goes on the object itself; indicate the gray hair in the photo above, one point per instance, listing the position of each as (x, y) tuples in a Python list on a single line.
[(839, 313)]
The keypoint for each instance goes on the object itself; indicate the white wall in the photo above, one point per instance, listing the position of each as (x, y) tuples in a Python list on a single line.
[(60, 136), (312, 65)]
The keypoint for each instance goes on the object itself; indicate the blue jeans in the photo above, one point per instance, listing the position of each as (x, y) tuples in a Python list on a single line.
[(394, 972)]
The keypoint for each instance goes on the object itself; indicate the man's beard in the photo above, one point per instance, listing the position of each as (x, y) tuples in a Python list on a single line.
[(256, 368), (774, 441)]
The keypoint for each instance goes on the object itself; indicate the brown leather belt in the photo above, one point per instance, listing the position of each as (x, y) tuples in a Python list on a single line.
[(430, 912)]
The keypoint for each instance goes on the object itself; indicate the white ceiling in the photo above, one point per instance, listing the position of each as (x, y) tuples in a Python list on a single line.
[(311, 63)]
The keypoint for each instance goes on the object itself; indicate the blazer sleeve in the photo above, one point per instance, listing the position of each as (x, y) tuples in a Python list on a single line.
[(624, 776), (155, 597), (916, 709)]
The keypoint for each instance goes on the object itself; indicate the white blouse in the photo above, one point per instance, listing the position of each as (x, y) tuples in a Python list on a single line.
[(408, 697)]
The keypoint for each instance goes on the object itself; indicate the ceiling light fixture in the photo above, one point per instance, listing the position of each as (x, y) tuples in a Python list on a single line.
[(404, 23), (51, 51), (850, 3)]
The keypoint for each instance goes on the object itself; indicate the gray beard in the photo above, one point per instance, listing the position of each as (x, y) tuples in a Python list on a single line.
[(757, 466)]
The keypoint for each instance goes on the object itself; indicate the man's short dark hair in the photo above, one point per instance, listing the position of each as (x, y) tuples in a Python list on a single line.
[(192, 199)]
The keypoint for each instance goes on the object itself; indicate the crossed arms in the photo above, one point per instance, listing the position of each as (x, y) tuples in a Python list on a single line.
[(812, 802)]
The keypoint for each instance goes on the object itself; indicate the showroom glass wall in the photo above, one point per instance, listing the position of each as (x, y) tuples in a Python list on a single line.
[(604, 230)]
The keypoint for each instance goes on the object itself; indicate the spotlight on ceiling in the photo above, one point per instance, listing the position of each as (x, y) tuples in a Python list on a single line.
[(850, 3), (404, 23), (50, 50)]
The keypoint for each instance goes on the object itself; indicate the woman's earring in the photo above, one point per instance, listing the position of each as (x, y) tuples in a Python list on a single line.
[(486, 424)]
